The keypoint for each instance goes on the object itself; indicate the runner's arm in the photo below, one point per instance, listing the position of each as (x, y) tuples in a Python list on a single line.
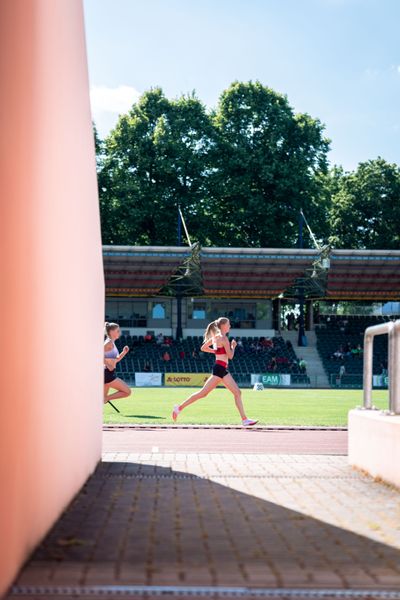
[(228, 348), (123, 353), (206, 347)]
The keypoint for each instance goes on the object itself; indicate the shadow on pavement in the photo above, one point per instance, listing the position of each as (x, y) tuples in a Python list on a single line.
[(135, 524)]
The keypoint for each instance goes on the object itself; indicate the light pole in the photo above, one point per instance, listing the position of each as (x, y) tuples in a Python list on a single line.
[(300, 340), (179, 332)]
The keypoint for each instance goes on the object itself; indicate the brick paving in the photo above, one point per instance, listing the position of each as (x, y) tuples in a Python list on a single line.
[(254, 520)]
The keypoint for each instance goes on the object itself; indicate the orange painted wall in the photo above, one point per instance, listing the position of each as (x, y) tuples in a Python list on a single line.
[(51, 278)]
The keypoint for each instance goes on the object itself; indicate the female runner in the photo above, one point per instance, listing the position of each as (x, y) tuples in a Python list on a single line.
[(111, 357), (216, 342)]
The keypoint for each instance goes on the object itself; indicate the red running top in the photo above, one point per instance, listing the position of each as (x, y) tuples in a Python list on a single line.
[(220, 350)]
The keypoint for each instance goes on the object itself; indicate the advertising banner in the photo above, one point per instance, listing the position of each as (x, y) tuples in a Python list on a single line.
[(148, 379), (271, 379), (380, 380), (186, 379)]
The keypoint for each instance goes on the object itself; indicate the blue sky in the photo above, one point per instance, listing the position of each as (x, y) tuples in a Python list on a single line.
[(338, 60)]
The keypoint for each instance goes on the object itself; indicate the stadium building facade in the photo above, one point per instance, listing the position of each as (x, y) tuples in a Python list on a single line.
[(319, 300), (162, 288)]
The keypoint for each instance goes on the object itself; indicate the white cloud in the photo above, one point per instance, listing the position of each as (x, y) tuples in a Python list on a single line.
[(383, 71), (115, 100), (108, 102)]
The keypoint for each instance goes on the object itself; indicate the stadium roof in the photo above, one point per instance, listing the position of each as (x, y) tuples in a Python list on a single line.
[(364, 274), (253, 272), (140, 270)]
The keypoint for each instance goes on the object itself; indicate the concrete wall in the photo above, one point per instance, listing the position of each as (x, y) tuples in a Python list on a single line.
[(51, 302), (374, 444)]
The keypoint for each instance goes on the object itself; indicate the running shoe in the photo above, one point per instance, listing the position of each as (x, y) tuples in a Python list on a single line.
[(249, 422), (175, 412)]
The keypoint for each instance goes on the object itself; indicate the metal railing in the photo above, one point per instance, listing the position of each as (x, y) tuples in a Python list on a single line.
[(392, 328)]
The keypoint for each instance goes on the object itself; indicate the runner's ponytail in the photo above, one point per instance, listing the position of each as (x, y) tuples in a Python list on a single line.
[(213, 328)]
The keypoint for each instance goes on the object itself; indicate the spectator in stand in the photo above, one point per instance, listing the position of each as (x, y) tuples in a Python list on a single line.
[(160, 339), (289, 345), (347, 349), (258, 347), (181, 354), (272, 366), (240, 344), (195, 354), (147, 367), (342, 372), (166, 356), (302, 365), (167, 342), (148, 337), (338, 354), (267, 342), (282, 360), (356, 351), (290, 321), (384, 370)]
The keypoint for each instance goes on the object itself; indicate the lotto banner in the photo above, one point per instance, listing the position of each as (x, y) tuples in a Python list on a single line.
[(186, 379)]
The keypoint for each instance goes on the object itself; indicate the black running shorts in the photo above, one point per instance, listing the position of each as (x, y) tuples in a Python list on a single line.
[(109, 376), (219, 371)]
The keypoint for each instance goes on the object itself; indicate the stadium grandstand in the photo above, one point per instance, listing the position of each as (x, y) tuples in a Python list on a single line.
[(163, 298)]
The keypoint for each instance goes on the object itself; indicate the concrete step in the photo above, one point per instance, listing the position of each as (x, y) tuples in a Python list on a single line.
[(315, 369), (293, 337)]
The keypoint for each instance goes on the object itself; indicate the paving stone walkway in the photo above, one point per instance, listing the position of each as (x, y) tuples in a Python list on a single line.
[(289, 523)]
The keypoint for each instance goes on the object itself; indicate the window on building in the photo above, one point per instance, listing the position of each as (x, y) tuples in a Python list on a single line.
[(158, 311), (126, 312), (199, 311), (241, 314)]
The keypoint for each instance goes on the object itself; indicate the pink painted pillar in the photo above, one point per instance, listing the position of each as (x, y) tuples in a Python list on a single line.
[(51, 277)]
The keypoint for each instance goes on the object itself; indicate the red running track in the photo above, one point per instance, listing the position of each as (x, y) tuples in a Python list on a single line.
[(258, 441)]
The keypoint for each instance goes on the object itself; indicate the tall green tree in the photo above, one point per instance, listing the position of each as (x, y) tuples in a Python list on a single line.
[(269, 163), (241, 173), (365, 211), (156, 158)]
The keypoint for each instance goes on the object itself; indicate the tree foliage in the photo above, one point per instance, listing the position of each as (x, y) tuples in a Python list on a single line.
[(267, 161), (155, 159), (365, 210), (240, 172)]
